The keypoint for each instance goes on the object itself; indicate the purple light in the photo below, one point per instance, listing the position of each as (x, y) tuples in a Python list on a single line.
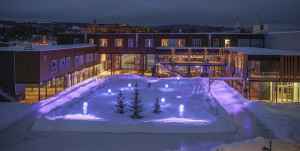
[(163, 100)]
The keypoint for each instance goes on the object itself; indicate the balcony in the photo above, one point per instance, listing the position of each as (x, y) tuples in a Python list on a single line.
[(264, 76)]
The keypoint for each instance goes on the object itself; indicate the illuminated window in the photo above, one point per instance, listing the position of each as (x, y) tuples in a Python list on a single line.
[(53, 66), (87, 58), (76, 40), (91, 41), (196, 42), (118, 42), (227, 42), (216, 43), (130, 42), (68, 63), (91, 57), (62, 64), (181, 42), (165, 42), (149, 43), (76, 60), (81, 60), (103, 42)]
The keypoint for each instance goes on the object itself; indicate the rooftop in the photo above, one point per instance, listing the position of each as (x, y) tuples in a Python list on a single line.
[(244, 50), (261, 51), (45, 47)]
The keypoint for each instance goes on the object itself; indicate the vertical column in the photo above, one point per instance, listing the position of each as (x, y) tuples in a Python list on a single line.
[(142, 64), (46, 88), (249, 90), (156, 66), (111, 64), (55, 86), (39, 91)]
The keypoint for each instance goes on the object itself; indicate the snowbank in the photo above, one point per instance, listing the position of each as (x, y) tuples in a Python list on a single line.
[(202, 113), (11, 112), (283, 119), (258, 143)]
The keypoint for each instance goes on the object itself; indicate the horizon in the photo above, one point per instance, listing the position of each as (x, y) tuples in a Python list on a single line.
[(155, 13)]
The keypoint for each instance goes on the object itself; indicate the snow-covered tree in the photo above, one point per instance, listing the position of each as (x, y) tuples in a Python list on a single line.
[(156, 107), (120, 103), (135, 106)]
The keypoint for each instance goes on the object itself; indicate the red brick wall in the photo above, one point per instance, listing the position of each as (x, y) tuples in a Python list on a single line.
[(45, 65)]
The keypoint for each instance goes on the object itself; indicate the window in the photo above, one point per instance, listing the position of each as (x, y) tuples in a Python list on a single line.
[(216, 43), (91, 41), (181, 42), (81, 60), (91, 57), (95, 56), (130, 42), (149, 43), (165, 42), (45, 57), (227, 42), (196, 42), (76, 60), (68, 63), (76, 40), (118, 42), (87, 60), (53, 66), (62, 64), (103, 43)]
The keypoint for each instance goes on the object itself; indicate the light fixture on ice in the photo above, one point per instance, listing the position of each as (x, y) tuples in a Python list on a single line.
[(166, 85), (181, 109), (129, 85), (177, 80), (178, 97), (109, 91), (163, 100), (84, 109), (78, 117)]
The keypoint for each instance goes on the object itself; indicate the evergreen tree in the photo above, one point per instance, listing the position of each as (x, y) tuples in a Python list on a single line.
[(120, 103), (135, 106), (156, 107)]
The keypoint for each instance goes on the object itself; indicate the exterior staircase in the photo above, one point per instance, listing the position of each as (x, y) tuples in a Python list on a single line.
[(7, 96)]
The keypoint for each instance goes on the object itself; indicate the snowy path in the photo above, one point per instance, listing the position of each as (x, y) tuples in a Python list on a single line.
[(19, 137), (248, 125)]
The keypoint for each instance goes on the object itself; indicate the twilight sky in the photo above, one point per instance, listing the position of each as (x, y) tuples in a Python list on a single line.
[(153, 12)]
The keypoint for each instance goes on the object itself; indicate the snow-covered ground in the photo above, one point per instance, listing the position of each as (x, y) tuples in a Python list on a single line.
[(283, 119), (259, 143), (11, 112), (202, 113)]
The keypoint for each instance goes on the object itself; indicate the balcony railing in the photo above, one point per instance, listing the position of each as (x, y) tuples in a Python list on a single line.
[(264, 75)]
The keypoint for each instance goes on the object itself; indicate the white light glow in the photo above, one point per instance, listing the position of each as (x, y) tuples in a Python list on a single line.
[(166, 85), (85, 104), (177, 78), (163, 100), (178, 97), (181, 107), (122, 89), (84, 108), (129, 85), (109, 90)]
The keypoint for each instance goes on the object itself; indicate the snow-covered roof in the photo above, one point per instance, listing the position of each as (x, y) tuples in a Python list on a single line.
[(261, 51), (45, 47), (244, 50)]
